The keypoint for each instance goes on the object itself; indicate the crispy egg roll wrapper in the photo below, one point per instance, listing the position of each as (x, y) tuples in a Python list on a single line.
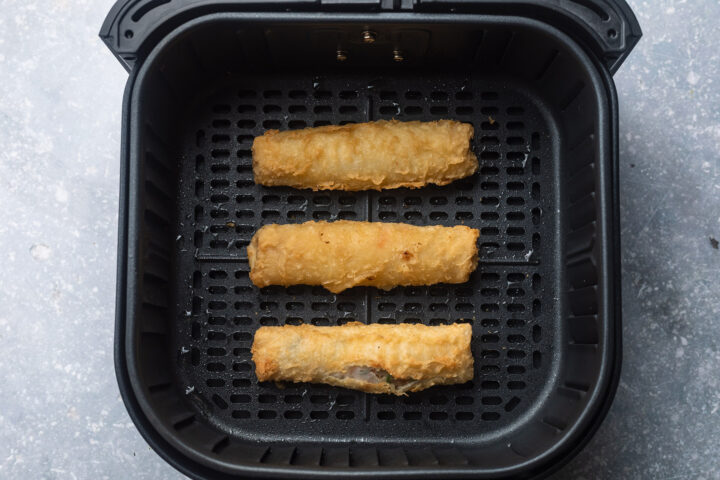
[(365, 156), (345, 254), (372, 358)]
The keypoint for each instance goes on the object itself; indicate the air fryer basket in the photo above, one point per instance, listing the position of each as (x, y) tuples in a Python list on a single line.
[(543, 303)]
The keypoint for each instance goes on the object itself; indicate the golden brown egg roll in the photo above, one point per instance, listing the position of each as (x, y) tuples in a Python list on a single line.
[(345, 254), (365, 156), (373, 358)]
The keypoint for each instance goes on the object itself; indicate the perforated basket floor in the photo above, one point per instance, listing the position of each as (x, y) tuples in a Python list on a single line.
[(511, 300)]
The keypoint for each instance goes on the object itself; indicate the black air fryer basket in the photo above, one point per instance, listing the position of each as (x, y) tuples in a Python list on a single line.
[(533, 77)]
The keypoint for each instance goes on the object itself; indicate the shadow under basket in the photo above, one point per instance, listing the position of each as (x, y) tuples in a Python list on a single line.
[(544, 302)]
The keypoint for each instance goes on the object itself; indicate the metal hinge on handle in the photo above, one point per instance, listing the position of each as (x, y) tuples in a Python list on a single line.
[(370, 5), (401, 5), (606, 27)]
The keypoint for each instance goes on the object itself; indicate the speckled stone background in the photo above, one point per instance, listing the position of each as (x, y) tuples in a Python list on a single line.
[(61, 416)]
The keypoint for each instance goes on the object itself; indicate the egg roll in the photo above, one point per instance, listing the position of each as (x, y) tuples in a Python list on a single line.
[(344, 254), (365, 156), (372, 358)]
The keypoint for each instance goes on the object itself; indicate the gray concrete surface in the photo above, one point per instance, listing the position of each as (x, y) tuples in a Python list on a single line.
[(61, 416)]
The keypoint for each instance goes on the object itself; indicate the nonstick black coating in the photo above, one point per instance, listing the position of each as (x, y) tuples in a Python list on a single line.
[(540, 302), (509, 299)]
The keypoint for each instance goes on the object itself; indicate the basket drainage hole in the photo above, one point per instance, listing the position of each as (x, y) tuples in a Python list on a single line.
[(536, 359), (511, 404), (612, 33)]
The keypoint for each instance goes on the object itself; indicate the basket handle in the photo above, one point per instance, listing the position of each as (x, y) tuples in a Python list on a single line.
[(608, 28), (132, 27)]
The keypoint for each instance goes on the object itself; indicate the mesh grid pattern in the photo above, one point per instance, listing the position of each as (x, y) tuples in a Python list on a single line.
[(504, 300)]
